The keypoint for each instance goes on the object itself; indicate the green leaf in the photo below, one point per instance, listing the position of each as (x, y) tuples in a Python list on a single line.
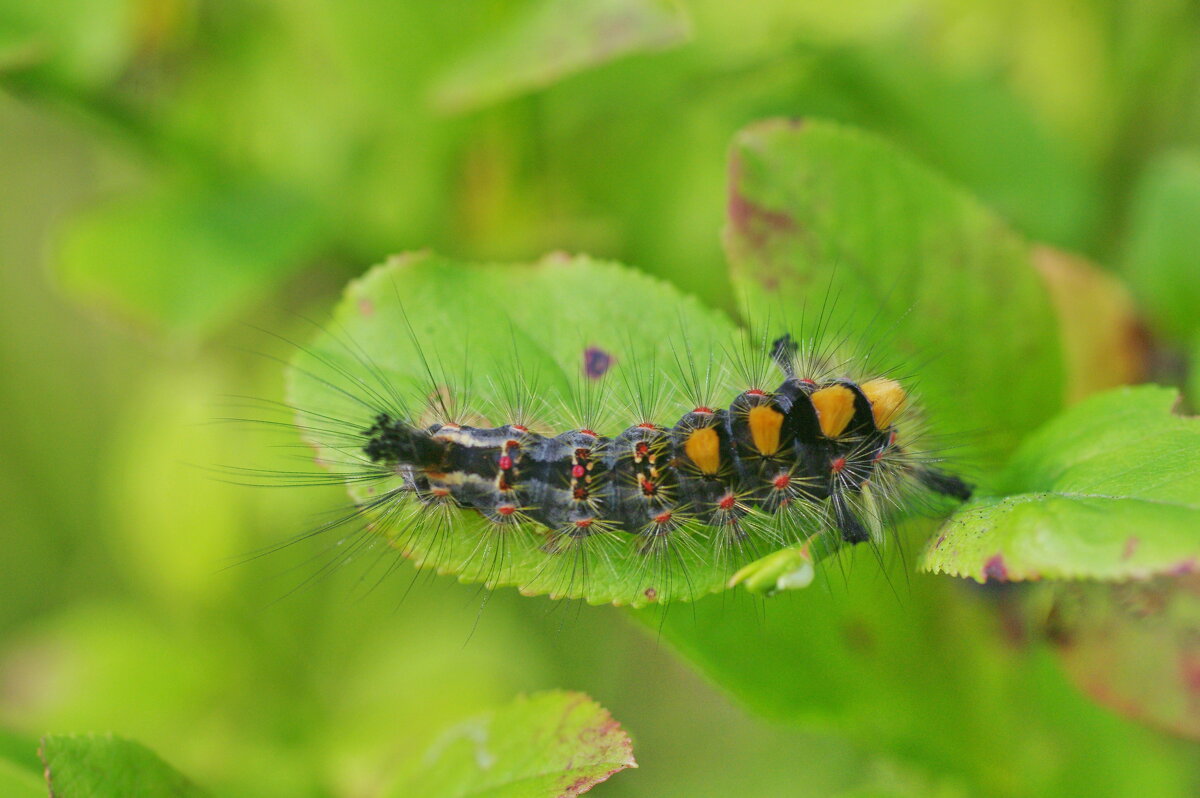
[(98, 766), (1160, 262), (1193, 386), (1135, 647), (15, 782), (1108, 490), (20, 751), (555, 39), (482, 327), (915, 269), (20, 768), (187, 257), (548, 744), (921, 667)]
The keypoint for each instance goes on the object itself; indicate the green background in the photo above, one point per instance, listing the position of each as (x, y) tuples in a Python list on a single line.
[(177, 177)]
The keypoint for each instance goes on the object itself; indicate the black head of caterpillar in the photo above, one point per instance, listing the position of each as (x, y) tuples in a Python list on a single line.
[(809, 444)]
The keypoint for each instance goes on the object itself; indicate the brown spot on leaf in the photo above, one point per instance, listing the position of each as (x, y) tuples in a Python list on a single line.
[(1130, 548), (1189, 671), (994, 568), (366, 307), (1183, 568), (756, 224), (858, 636)]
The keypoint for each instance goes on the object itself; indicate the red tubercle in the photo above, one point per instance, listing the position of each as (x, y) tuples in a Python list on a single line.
[(807, 381), (519, 427), (584, 523), (578, 471), (782, 481), (648, 488), (727, 502), (647, 425), (506, 510), (755, 392), (837, 465), (663, 518), (642, 449), (702, 409), (506, 463), (589, 432)]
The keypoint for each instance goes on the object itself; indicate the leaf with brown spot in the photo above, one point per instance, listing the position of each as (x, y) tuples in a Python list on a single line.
[(548, 744), (826, 219), (574, 316)]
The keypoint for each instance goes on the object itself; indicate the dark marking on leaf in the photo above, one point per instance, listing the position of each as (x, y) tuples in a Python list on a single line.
[(994, 569), (1183, 568), (1189, 671), (756, 224), (858, 636), (596, 362)]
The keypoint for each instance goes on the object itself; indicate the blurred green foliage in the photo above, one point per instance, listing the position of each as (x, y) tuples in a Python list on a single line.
[(175, 174)]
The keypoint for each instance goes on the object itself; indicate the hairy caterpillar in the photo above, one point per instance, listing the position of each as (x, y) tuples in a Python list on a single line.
[(559, 494)]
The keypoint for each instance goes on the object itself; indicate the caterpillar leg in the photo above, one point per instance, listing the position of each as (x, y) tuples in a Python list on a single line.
[(847, 523)]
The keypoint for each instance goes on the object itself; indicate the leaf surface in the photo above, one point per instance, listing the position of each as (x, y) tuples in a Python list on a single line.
[(1135, 647), (545, 745), (100, 766), (480, 334)]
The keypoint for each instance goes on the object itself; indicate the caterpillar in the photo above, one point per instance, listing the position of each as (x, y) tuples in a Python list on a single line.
[(658, 511), (805, 442)]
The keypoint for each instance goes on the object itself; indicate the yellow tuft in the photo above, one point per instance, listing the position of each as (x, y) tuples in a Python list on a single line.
[(886, 397), (765, 423), (703, 448), (835, 408)]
